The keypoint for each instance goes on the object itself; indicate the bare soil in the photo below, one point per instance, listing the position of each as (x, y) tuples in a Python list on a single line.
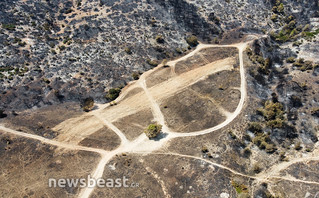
[(134, 125), (41, 121), (187, 112), (28, 164), (104, 138)]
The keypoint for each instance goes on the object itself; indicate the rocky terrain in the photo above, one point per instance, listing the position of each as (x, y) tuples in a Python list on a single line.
[(240, 116), (56, 51)]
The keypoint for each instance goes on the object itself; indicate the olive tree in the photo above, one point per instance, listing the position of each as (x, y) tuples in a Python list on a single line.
[(153, 130)]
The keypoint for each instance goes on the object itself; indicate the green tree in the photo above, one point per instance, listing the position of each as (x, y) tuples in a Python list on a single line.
[(153, 130)]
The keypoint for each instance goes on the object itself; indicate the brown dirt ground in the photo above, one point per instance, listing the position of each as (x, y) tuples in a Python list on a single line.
[(104, 138), (159, 76), (186, 112), (158, 176), (134, 125), (27, 165), (41, 121)]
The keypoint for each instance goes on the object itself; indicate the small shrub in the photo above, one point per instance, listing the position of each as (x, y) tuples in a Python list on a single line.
[(9, 26), (179, 50), (88, 104), (46, 26), (247, 137), (47, 81), (153, 22), (291, 60), (159, 39), (204, 149), (263, 142), (274, 17), (298, 146), (153, 130), (255, 127), (240, 188), (153, 63), (270, 148), (256, 168), (277, 123), (2, 114), (128, 50), (62, 47), (315, 111), (247, 152), (308, 149), (113, 93), (164, 63), (282, 156), (232, 135), (308, 65), (79, 3), (16, 40), (280, 8), (22, 44), (68, 11), (192, 41), (296, 101), (135, 75), (113, 103)]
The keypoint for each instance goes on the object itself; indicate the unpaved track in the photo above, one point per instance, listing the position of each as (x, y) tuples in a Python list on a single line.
[(259, 178), (52, 142), (113, 128)]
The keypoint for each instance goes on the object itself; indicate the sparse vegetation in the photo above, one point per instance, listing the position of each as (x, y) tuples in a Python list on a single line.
[(302, 65), (263, 142), (153, 130), (310, 35), (263, 64)]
